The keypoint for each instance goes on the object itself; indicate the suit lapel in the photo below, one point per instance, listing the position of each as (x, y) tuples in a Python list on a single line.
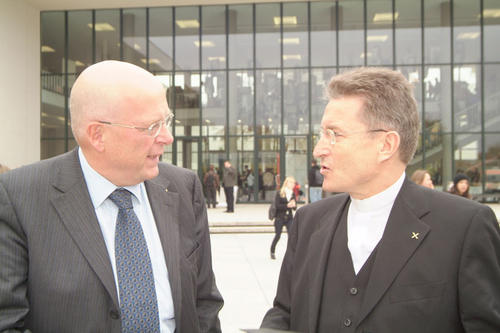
[(319, 251), (164, 203), (403, 235), (72, 202)]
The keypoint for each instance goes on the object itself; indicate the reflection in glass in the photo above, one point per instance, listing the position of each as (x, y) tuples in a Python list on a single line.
[(213, 37), (213, 101), (107, 34), (79, 40), (267, 37), (187, 38), (408, 32), (161, 42), (296, 161), (438, 159), (466, 31), (242, 157), (467, 98), (296, 101), (52, 41), (268, 108), (187, 153), (134, 37), (437, 88), (379, 32), (240, 36), (414, 76), (50, 148), (491, 19), (323, 33), (437, 31), (186, 103), (319, 81), (268, 167), (467, 155), (491, 97), (241, 105), (295, 34), (492, 165), (351, 33)]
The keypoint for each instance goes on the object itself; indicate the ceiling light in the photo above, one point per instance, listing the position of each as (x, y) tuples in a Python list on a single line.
[(468, 35), (205, 43), (102, 27), (187, 24), (151, 61), (221, 59), (369, 54), (377, 38), (491, 12), (384, 17), (290, 41), (79, 63), (287, 20), (292, 57), (137, 46), (47, 49)]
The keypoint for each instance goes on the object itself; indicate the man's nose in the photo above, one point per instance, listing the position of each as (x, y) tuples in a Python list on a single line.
[(321, 149), (165, 136)]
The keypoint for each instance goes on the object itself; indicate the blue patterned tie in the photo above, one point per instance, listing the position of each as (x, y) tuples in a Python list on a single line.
[(138, 305)]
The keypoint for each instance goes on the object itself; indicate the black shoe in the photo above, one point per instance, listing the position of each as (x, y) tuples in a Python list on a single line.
[(273, 256)]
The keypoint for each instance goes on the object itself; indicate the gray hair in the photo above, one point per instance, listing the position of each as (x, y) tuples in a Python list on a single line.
[(388, 102)]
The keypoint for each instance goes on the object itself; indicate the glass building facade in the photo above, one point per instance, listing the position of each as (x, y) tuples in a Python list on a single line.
[(246, 82)]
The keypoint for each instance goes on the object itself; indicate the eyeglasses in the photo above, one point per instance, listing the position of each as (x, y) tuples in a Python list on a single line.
[(331, 136), (153, 129)]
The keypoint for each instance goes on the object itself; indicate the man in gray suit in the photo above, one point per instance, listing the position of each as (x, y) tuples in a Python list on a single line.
[(63, 266), (388, 255)]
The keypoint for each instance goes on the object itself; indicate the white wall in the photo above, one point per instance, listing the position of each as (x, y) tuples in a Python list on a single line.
[(19, 83)]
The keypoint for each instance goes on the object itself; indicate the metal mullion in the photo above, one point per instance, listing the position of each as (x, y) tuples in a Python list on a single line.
[(226, 142), (452, 88), (422, 83), (255, 140), (483, 120), (282, 111), (147, 38), (200, 113), (66, 90), (174, 144), (309, 93), (94, 42), (365, 37), (394, 34), (121, 34)]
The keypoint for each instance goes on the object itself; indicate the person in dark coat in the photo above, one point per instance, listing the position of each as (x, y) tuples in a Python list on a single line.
[(211, 182), (286, 203)]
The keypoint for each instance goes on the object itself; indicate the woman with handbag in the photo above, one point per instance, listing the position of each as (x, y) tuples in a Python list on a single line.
[(285, 202)]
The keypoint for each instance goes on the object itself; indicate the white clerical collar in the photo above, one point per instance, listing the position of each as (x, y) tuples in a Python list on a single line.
[(379, 200)]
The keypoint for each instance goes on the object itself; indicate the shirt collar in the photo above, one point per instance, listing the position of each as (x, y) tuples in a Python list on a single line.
[(380, 200), (99, 187)]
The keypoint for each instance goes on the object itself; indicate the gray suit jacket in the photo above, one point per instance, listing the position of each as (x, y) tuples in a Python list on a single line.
[(55, 272), (445, 279)]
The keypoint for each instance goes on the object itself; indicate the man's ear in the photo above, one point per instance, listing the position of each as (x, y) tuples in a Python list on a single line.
[(389, 145), (95, 135)]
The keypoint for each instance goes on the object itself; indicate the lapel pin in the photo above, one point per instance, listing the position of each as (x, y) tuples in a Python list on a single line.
[(414, 235)]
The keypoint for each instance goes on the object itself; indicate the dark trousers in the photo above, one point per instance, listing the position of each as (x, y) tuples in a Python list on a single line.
[(278, 228), (211, 196), (229, 192)]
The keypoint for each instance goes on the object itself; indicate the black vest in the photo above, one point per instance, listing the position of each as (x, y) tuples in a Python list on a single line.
[(343, 290)]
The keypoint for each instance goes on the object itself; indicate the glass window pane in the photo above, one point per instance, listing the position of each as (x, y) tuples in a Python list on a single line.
[(52, 41), (437, 83), (296, 101), (408, 32), (295, 34), (467, 155), (240, 36), (213, 101), (491, 97), (351, 33), (437, 31), (319, 81), (269, 166), (323, 33), (438, 161), (187, 38), (414, 75), (241, 102), (241, 156), (379, 33), (213, 37), (51, 148), (134, 36), (491, 21), (267, 37), (186, 103), (187, 153), (296, 161), (268, 108), (467, 98), (107, 35), (79, 40), (492, 167), (161, 42), (466, 31)]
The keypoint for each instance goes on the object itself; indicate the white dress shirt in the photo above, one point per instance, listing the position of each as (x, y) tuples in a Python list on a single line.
[(366, 221), (107, 212)]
